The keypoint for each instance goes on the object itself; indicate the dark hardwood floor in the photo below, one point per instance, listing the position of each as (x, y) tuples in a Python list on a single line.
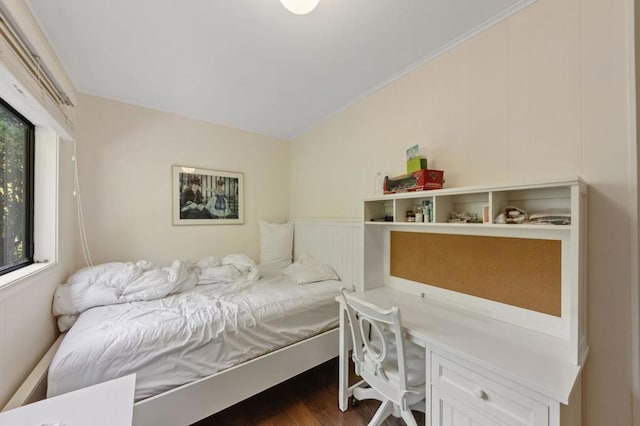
[(309, 399)]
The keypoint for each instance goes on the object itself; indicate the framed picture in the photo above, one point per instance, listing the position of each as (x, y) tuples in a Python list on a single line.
[(207, 197)]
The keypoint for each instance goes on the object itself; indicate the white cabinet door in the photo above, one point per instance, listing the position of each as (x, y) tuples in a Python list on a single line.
[(446, 410), (477, 391)]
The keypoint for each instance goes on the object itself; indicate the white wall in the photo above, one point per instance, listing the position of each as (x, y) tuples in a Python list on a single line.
[(27, 328), (125, 156), (544, 94)]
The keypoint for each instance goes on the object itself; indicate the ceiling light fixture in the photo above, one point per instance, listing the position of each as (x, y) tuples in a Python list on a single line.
[(300, 7)]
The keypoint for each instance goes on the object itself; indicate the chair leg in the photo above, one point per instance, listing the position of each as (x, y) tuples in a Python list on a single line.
[(383, 412), (408, 418)]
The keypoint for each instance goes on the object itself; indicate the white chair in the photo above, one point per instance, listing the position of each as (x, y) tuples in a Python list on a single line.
[(394, 368)]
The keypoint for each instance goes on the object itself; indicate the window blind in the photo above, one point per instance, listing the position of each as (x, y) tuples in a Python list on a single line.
[(26, 54)]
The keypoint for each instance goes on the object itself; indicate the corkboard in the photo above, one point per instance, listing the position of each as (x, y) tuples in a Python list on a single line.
[(520, 272)]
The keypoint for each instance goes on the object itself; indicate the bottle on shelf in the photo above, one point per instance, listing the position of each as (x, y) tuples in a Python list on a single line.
[(427, 210), (379, 184)]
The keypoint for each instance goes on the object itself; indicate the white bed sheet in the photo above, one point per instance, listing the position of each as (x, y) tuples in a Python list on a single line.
[(178, 339)]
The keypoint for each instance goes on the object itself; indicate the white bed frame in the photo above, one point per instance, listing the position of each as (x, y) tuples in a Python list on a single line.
[(337, 243)]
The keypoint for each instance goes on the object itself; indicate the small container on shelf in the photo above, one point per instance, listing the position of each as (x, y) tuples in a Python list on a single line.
[(485, 214), (411, 216), (419, 215)]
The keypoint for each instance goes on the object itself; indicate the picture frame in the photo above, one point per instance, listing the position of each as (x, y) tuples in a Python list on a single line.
[(207, 197)]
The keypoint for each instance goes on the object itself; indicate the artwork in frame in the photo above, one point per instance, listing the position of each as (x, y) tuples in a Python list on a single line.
[(207, 197)]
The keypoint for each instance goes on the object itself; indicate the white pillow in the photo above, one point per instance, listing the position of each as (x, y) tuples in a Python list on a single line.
[(306, 270), (276, 244)]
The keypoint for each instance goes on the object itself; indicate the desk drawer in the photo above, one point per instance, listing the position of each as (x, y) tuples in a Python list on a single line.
[(493, 397)]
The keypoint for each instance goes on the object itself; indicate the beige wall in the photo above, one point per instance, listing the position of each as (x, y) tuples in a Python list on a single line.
[(545, 94), (125, 156), (27, 328)]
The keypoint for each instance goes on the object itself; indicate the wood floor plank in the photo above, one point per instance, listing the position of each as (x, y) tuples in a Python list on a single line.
[(310, 399)]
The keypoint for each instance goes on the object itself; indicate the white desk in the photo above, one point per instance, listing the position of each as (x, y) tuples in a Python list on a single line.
[(461, 344), (105, 404)]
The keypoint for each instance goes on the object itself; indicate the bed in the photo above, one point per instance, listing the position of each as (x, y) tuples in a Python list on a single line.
[(274, 329), (175, 340)]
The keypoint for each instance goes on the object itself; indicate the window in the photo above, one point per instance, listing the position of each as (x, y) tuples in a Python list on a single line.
[(16, 189)]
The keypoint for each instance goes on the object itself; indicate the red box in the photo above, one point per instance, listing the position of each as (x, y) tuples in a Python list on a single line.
[(417, 181)]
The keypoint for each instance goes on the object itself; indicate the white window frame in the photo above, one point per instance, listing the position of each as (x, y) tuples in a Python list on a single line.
[(45, 197), (45, 209)]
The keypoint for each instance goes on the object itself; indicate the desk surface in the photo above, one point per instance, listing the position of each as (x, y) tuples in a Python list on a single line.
[(105, 404), (528, 357)]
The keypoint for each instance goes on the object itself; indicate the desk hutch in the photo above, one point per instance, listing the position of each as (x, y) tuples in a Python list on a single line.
[(499, 308)]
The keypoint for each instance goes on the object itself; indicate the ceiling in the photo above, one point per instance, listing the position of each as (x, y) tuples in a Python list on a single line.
[(250, 64)]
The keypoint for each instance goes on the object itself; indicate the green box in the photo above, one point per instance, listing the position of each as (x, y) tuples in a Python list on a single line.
[(415, 164)]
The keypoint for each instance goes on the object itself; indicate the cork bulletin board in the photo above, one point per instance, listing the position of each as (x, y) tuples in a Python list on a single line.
[(521, 272)]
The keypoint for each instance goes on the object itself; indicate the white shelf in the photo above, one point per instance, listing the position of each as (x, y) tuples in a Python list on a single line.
[(472, 189), (568, 196), (553, 196), (513, 227)]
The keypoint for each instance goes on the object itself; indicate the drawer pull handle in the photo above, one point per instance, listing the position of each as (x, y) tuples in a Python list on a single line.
[(480, 394)]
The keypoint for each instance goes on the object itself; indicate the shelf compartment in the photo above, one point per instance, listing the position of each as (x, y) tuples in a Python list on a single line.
[(377, 210), (470, 203), (403, 205), (532, 200)]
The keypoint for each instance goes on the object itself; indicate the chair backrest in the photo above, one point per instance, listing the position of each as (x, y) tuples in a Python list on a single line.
[(378, 346)]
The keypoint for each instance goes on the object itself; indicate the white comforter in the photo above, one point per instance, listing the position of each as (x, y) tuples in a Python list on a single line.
[(119, 282), (180, 338)]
